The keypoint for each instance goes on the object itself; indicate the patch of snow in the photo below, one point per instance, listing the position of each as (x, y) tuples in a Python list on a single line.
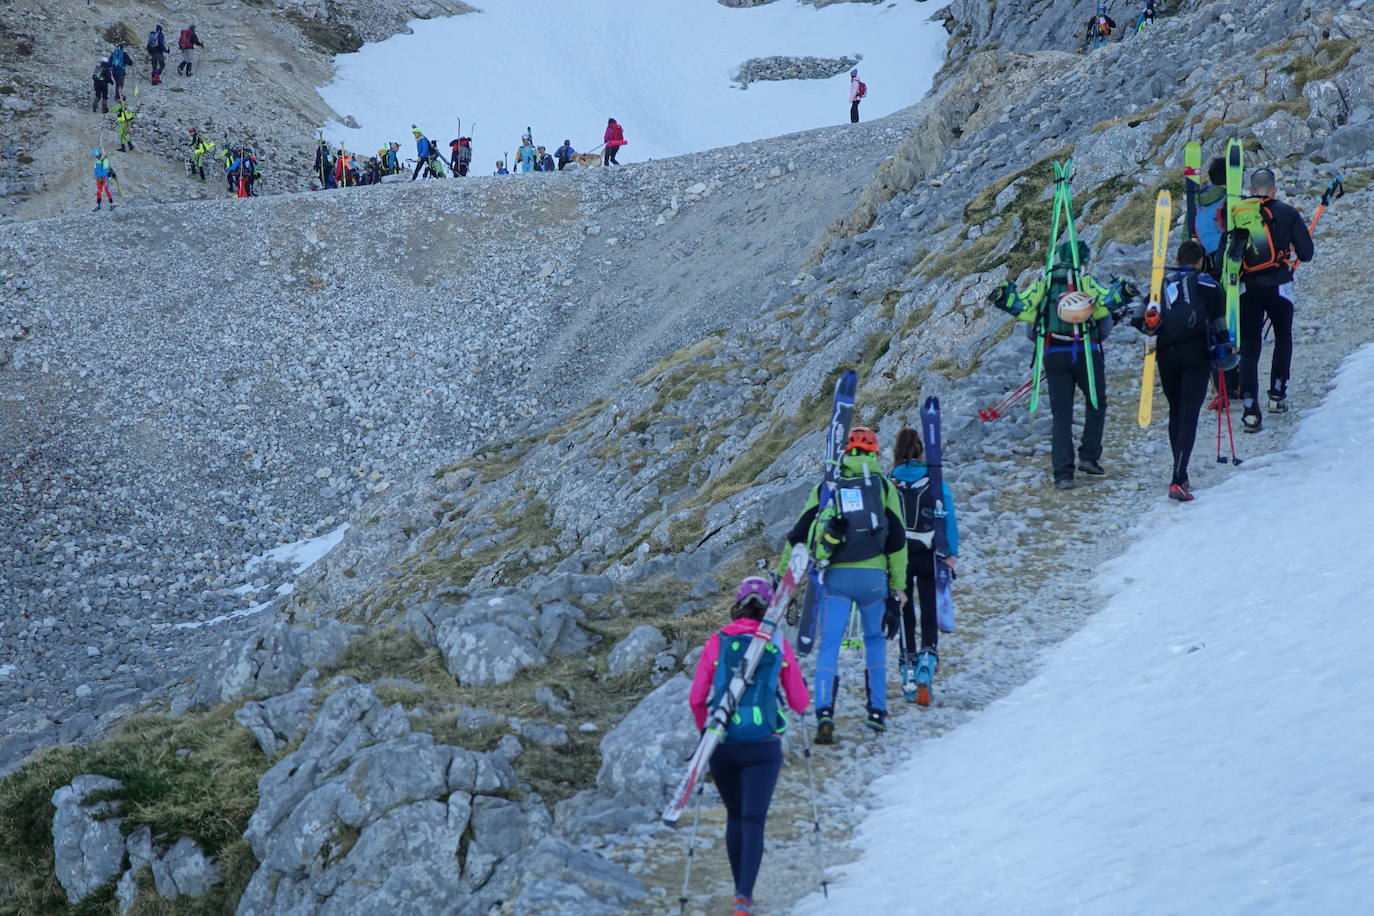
[(7, 670), (1202, 745), (660, 67), (301, 554)]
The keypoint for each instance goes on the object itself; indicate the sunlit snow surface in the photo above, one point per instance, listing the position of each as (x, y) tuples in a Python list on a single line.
[(661, 68), (1204, 745)]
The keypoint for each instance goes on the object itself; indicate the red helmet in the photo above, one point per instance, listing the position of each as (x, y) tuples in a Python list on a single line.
[(863, 439)]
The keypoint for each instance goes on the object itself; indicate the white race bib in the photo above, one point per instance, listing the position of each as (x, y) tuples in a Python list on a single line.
[(851, 500)]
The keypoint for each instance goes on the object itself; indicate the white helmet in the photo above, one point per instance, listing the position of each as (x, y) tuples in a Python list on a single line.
[(1075, 306)]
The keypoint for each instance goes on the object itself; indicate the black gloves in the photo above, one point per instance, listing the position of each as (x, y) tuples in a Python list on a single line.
[(892, 617), (1002, 296)]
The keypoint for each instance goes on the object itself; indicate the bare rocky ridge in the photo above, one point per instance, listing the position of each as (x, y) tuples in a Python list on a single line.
[(546, 552)]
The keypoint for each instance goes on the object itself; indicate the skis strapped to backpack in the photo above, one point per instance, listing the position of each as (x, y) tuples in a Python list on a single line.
[(944, 576), (1192, 177), (719, 716), (1233, 247), (1062, 182), (1164, 212), (846, 387), (1042, 319)]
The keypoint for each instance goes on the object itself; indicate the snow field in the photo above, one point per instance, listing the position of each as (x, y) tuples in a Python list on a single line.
[(660, 67), (1201, 746)]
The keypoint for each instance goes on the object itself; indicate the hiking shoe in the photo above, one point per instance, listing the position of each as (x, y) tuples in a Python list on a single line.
[(825, 726), (1180, 492), (1092, 468), (1063, 483), (744, 906), (1251, 421), (1278, 400), (877, 720)]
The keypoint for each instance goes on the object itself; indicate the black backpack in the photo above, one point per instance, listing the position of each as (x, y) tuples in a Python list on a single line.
[(860, 500), (918, 512), (1182, 310)]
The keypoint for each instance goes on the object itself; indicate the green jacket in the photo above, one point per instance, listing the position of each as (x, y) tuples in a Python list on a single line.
[(893, 558)]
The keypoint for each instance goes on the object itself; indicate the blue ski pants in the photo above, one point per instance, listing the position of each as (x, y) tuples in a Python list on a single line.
[(746, 773), (842, 588)]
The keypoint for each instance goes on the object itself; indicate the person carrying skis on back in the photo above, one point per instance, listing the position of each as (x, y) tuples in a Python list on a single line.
[(912, 479), (564, 154), (100, 81), (1278, 239), (525, 154), (124, 116), (1211, 221), (104, 173), (1069, 319), (157, 53), (746, 764), (614, 139), (462, 156), (188, 42), (861, 539), (1191, 317), (858, 90), (119, 67)]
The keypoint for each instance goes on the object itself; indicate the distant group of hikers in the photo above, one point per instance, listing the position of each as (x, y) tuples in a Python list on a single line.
[(343, 169), (1102, 27)]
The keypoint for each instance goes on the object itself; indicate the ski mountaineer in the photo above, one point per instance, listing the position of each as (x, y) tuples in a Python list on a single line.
[(911, 477), (119, 67), (1100, 27), (157, 53), (1146, 17), (1210, 224), (746, 764), (543, 161), (1070, 317), (861, 538), (501, 168), (422, 151), (324, 165), (391, 158), (526, 155), (188, 42), (124, 116), (1192, 314), (462, 156), (200, 148), (1278, 239), (858, 90), (100, 81), (614, 139), (564, 154), (103, 173)]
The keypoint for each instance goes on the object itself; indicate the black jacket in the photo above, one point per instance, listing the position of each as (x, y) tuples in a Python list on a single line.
[(1290, 233), (1192, 300)]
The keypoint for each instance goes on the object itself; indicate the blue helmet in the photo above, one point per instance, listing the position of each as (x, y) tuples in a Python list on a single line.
[(95, 153)]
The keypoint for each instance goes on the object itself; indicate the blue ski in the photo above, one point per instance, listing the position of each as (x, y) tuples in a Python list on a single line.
[(944, 576), (846, 387)]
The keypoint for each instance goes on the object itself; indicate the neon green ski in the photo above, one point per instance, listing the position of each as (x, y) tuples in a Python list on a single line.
[(1041, 321), (1074, 276), (1233, 248)]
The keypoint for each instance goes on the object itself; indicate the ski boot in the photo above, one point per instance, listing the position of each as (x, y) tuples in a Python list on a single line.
[(825, 726), (1278, 399), (1250, 419), (907, 665), (877, 720), (744, 906), (927, 663)]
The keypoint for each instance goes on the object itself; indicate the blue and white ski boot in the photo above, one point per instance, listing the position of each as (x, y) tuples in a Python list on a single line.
[(927, 663), (907, 666)]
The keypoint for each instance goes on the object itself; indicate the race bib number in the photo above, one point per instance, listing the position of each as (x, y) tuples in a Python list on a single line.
[(851, 500)]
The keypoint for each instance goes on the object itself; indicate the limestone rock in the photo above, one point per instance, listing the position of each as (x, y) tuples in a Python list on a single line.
[(88, 848), (636, 650), (641, 758), (486, 653)]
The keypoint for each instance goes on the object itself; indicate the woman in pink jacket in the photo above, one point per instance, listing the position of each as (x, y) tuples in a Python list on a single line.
[(615, 139), (857, 91), (746, 764)]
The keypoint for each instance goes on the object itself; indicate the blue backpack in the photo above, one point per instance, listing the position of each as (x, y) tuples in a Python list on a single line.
[(757, 715), (102, 168), (1210, 218)]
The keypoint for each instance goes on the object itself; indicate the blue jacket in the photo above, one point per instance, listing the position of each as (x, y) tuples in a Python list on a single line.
[(912, 471), (422, 147)]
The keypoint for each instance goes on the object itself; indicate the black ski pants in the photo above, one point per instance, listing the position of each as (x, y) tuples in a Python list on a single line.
[(102, 97), (608, 155), (1255, 304), (421, 165), (854, 112), (920, 599), (746, 773), (159, 62), (119, 82), (1066, 369), (1183, 374)]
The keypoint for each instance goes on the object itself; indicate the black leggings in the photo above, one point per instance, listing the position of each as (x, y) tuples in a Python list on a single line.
[(608, 155), (746, 772), (1255, 304), (853, 112), (1183, 376), (920, 593)]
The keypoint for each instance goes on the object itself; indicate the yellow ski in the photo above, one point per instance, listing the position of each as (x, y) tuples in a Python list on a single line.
[(1164, 215)]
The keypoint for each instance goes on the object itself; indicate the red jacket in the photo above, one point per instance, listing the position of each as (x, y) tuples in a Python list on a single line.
[(793, 684), (615, 135)]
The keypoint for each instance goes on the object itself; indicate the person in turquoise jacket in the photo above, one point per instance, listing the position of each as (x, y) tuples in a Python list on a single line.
[(860, 539), (912, 476)]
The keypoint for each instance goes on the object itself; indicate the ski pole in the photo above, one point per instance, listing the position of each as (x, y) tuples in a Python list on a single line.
[(692, 848), (816, 834), (1011, 400), (1226, 407)]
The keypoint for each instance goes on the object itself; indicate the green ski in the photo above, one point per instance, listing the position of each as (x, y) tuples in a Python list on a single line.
[(1041, 321), (1236, 239), (1075, 278)]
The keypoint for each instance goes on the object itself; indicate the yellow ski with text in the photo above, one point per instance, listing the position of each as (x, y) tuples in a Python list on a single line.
[(1164, 214)]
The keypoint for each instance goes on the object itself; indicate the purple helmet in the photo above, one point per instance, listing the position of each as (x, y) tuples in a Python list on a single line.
[(755, 588)]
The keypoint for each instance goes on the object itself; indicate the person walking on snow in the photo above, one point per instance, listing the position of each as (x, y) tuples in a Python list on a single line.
[(858, 90), (103, 173), (861, 538), (910, 475), (614, 139), (1192, 311), (564, 154), (100, 81), (124, 116), (188, 42), (1279, 238), (157, 53), (1071, 320), (746, 763), (119, 66)]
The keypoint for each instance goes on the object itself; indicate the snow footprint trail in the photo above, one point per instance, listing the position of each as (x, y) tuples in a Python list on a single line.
[(1019, 592), (1200, 746)]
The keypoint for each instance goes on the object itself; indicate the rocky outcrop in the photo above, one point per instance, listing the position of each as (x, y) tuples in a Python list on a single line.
[(641, 758), (762, 69), (88, 847)]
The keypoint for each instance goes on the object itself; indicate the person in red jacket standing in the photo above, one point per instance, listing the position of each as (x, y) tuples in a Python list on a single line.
[(188, 42), (615, 139)]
